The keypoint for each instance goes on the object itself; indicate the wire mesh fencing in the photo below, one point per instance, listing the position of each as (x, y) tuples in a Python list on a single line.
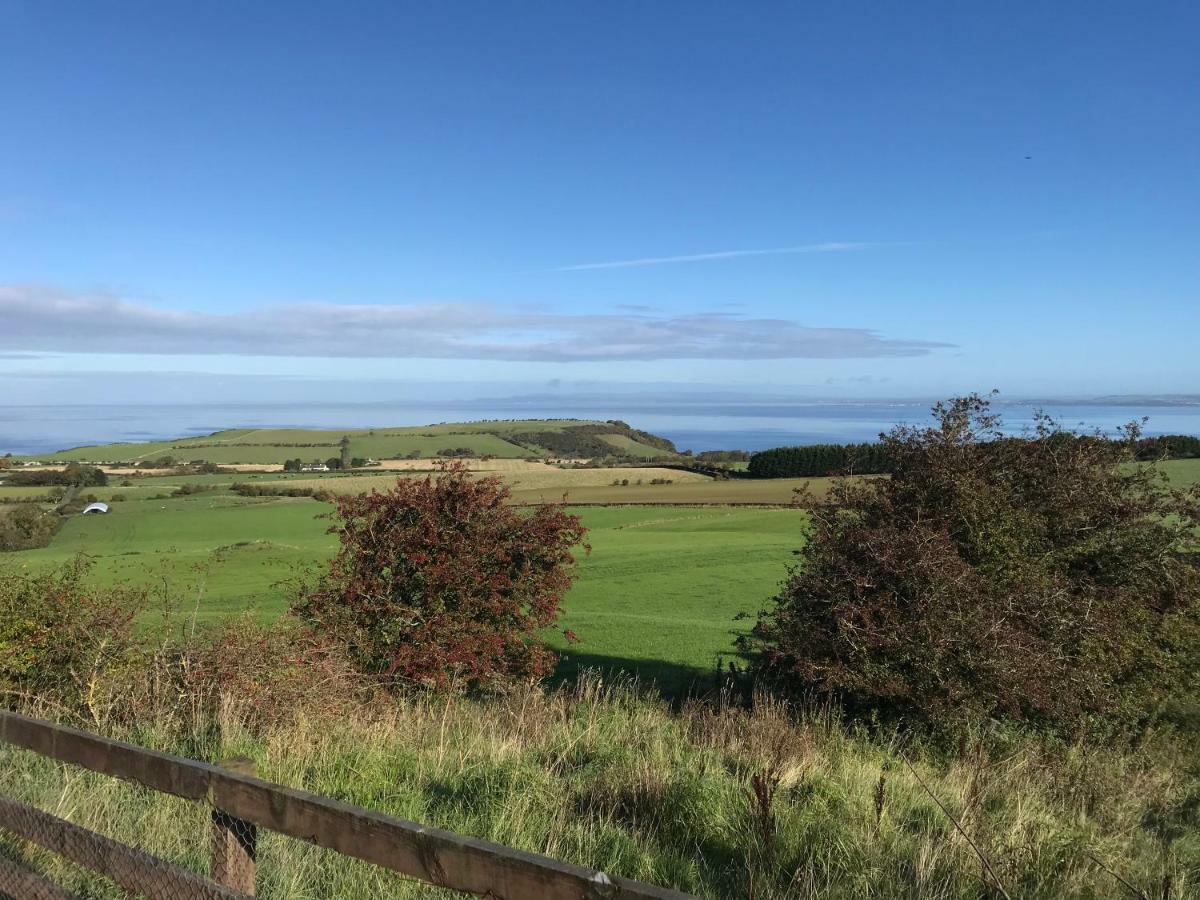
[(84, 816)]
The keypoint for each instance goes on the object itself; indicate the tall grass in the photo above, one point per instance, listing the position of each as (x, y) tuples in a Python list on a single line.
[(714, 799)]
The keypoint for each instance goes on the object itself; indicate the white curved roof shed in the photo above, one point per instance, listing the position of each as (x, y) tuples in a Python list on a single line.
[(93, 508)]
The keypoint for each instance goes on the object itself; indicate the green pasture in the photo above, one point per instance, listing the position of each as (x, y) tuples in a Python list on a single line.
[(625, 444), (658, 594), (1182, 472), (275, 445), (257, 448)]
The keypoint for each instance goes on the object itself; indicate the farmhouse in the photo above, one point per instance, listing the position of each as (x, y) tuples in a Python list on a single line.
[(314, 467), (94, 508)]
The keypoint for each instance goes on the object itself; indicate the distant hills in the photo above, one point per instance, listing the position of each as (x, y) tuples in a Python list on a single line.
[(513, 439)]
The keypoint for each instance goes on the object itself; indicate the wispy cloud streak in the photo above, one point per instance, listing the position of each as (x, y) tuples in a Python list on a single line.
[(39, 318), (827, 247)]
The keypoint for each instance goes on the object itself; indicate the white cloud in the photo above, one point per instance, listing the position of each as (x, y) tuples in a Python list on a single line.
[(39, 318)]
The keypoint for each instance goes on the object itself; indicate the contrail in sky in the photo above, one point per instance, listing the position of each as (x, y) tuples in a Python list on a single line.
[(828, 247)]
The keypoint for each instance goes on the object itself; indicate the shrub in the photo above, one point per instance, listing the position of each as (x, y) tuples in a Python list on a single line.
[(27, 526), (440, 582), (1036, 579), (268, 490), (187, 490), (59, 637), (269, 672)]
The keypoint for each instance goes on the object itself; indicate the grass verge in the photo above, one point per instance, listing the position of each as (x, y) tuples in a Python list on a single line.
[(720, 801)]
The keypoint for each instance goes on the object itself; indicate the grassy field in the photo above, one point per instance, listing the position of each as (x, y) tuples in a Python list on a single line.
[(275, 445), (658, 593), (602, 775), (1182, 472), (625, 444)]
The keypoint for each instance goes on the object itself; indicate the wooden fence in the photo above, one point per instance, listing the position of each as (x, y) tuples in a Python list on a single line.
[(242, 803)]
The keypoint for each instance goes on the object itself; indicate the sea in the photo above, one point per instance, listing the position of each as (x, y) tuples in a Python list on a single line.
[(722, 424)]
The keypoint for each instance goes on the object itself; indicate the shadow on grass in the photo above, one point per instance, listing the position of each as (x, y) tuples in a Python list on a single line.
[(673, 681)]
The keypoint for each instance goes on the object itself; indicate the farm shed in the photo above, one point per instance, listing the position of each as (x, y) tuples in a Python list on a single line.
[(93, 508)]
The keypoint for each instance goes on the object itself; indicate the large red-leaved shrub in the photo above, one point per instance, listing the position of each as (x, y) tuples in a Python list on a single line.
[(441, 582)]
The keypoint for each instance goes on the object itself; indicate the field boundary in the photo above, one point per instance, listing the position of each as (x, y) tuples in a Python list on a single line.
[(702, 504), (242, 802)]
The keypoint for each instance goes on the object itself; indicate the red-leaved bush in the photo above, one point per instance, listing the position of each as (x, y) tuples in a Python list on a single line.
[(441, 582)]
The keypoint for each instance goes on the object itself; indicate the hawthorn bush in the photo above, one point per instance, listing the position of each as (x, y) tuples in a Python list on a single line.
[(1041, 579), (28, 526), (62, 639), (440, 582)]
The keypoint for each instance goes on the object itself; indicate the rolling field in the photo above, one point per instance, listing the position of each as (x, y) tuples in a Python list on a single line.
[(625, 444), (530, 479), (672, 564), (530, 482), (657, 595), (275, 445)]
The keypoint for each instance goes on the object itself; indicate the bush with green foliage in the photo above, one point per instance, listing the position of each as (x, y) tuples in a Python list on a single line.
[(28, 526), (60, 636), (440, 582), (1036, 579), (242, 489), (187, 490)]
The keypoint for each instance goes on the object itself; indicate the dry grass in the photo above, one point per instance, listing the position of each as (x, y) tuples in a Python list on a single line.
[(716, 800), (477, 465), (520, 476)]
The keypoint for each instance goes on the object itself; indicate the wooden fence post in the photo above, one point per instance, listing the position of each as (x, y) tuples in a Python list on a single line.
[(234, 851)]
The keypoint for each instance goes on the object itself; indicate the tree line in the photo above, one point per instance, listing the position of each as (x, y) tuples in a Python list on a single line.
[(817, 460), (1169, 446)]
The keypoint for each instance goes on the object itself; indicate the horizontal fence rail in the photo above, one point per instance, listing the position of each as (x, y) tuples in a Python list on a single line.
[(135, 871), (433, 855), (21, 883)]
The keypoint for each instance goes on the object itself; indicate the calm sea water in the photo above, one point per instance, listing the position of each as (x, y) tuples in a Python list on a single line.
[(691, 424)]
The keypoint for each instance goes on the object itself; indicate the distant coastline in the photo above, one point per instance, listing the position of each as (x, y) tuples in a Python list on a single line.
[(725, 422)]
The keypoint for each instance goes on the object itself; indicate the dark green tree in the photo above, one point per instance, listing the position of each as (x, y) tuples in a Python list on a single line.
[(1042, 579)]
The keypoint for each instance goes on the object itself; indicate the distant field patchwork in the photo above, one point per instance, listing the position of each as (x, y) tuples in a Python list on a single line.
[(509, 439)]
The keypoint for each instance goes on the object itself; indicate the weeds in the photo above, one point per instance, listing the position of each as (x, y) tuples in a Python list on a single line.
[(768, 801)]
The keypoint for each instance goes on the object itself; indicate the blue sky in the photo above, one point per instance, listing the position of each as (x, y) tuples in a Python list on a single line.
[(845, 200)]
